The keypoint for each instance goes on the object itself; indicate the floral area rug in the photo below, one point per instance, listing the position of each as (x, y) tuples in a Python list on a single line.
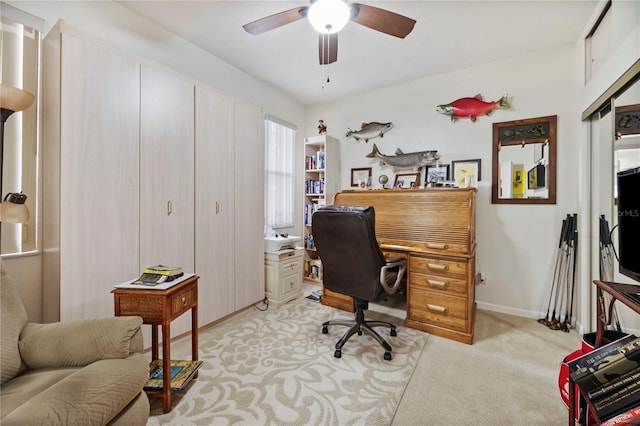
[(275, 367)]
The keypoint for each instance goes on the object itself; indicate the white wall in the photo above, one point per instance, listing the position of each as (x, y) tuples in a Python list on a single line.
[(517, 244)]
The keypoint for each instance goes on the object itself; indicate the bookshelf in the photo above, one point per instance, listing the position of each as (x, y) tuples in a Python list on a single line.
[(322, 182)]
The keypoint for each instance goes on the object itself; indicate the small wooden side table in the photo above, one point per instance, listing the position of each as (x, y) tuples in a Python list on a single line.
[(160, 307)]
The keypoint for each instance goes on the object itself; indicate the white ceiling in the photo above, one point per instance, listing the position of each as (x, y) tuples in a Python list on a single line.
[(448, 35)]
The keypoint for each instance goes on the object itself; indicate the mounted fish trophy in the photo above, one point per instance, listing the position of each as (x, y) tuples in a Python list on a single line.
[(369, 131), (472, 107), (405, 161)]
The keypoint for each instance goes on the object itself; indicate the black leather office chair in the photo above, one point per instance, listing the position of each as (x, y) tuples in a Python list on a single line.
[(353, 264)]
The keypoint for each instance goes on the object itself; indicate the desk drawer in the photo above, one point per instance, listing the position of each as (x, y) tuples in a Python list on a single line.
[(437, 283), (438, 309), (182, 302), (438, 266), (149, 308)]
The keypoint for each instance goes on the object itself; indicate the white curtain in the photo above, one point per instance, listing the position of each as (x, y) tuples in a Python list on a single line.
[(279, 172)]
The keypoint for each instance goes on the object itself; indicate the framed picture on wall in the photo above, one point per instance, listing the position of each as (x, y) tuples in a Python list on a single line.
[(466, 173), (407, 180), (438, 173), (360, 177)]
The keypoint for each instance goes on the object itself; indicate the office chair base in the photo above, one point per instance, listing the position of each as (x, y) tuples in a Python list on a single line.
[(360, 327)]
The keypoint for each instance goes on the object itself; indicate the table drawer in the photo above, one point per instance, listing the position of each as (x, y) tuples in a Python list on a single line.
[(438, 283), (182, 301), (438, 309), (149, 308), (437, 266)]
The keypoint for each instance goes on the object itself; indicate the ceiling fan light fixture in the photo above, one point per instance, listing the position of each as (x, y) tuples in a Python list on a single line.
[(329, 16)]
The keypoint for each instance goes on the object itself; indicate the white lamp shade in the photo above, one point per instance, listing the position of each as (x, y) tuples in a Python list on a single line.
[(15, 99), (13, 209), (329, 16)]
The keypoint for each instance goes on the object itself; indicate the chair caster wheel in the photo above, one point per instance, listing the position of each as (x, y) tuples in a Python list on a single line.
[(360, 333), (325, 330), (393, 332), (387, 356), (338, 354)]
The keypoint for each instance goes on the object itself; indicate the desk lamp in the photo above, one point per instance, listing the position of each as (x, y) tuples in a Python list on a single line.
[(12, 208)]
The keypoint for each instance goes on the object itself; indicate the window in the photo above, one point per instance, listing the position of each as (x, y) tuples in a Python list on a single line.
[(19, 59), (280, 139)]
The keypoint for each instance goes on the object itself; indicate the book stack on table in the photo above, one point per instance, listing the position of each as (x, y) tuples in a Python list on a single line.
[(609, 377), (158, 274)]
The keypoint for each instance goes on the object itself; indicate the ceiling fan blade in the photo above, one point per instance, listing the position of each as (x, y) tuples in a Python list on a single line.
[(328, 48), (276, 20), (382, 20)]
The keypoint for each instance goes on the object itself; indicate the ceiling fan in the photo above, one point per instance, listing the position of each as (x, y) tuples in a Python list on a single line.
[(330, 16)]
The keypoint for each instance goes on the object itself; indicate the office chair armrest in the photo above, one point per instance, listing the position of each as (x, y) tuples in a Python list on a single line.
[(396, 262)]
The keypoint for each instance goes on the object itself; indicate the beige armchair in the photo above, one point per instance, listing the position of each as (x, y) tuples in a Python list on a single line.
[(88, 372)]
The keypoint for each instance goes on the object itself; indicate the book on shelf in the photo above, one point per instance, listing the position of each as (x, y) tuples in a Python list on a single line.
[(615, 384), (589, 359), (630, 417), (181, 373), (618, 402), (320, 159), (606, 363)]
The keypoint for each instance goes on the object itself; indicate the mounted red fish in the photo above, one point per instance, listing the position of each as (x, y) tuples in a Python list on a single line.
[(472, 107)]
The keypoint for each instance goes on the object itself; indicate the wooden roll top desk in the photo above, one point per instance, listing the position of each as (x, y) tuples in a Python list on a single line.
[(435, 230)]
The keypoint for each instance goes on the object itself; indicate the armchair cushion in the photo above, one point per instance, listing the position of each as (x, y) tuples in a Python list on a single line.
[(92, 395), (13, 318), (79, 343)]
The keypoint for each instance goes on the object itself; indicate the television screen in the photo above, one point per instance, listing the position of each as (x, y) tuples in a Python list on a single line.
[(629, 222)]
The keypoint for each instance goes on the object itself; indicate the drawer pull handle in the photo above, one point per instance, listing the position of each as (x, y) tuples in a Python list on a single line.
[(439, 284), (439, 246), (436, 308), (437, 267), (169, 207), (184, 301)]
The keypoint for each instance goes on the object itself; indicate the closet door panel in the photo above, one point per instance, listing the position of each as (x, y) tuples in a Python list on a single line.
[(166, 169), (249, 204), (214, 162), (99, 183)]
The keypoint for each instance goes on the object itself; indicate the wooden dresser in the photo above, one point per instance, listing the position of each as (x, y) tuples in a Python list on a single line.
[(435, 230)]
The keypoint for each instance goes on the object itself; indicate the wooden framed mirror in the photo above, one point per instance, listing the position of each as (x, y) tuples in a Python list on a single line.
[(524, 161)]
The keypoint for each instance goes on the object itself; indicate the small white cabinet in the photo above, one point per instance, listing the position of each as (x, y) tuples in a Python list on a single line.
[(283, 275)]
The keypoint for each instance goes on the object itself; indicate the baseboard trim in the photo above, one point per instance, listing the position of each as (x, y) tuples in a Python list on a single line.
[(579, 327)]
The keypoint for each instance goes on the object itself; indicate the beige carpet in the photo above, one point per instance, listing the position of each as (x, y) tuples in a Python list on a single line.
[(276, 367), (509, 376)]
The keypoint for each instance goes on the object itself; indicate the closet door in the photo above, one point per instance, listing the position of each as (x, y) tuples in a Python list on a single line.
[(249, 204), (167, 173), (166, 169), (90, 157), (214, 216)]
